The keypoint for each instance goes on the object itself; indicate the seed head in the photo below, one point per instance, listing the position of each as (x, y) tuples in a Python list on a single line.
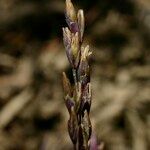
[(66, 85), (73, 126), (81, 23), (70, 11)]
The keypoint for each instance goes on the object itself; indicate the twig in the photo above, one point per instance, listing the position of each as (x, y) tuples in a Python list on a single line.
[(14, 107)]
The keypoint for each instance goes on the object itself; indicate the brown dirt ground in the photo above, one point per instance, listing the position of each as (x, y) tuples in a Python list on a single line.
[(32, 58)]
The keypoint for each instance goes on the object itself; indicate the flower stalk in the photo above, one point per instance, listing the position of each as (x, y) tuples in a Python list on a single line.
[(77, 96)]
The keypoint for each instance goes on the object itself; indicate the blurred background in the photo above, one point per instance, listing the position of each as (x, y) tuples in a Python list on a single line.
[(33, 115)]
